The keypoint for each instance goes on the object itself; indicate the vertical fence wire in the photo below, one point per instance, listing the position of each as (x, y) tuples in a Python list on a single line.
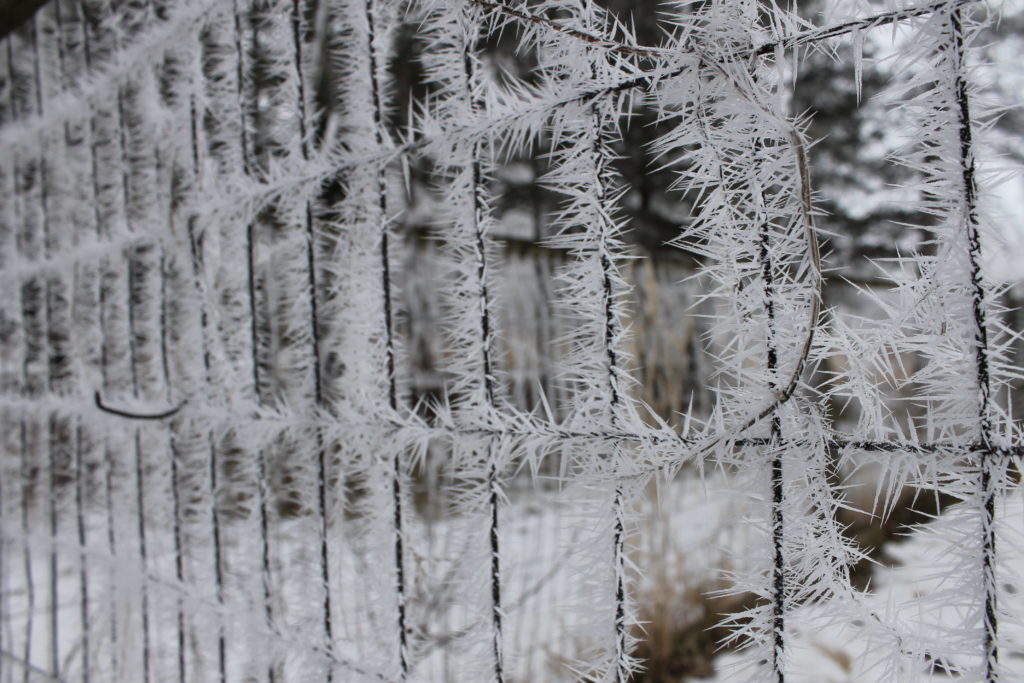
[(604, 181), (378, 108), (76, 463), (297, 20), (22, 380), (778, 609), (169, 80), (87, 14), (251, 145), (4, 571), (175, 78), (26, 529), (58, 433), (200, 292), (6, 386), (485, 331), (987, 465), (43, 291)]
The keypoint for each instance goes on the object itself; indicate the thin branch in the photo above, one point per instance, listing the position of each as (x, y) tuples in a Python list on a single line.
[(813, 249)]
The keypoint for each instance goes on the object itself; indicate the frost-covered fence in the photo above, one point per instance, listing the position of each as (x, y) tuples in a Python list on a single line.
[(218, 459)]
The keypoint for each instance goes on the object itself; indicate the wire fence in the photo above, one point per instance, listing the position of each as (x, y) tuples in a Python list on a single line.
[(248, 436)]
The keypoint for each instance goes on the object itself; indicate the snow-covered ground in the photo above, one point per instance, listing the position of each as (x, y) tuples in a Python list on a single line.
[(919, 621)]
